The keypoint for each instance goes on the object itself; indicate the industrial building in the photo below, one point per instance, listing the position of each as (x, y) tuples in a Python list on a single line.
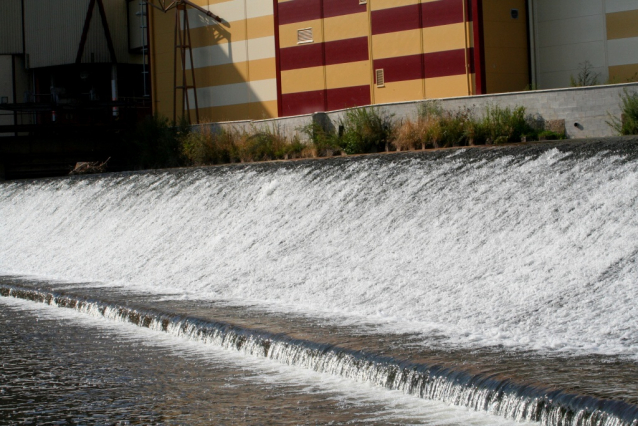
[(69, 68), (63, 57), (72, 72), (279, 58), (265, 59)]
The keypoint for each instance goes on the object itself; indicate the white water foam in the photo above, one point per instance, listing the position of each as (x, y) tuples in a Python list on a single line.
[(532, 253)]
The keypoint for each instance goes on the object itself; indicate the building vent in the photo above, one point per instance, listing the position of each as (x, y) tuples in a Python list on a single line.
[(380, 78), (304, 35)]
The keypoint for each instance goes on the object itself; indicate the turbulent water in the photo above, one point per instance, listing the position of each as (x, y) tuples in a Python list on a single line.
[(526, 250)]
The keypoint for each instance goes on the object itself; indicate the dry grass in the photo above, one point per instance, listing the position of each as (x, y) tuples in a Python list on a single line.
[(423, 133), (206, 147), (362, 130)]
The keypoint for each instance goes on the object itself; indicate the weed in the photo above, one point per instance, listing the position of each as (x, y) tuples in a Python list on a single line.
[(452, 129), (323, 143), (269, 144), (407, 135), (550, 135), (425, 132), (501, 125), (628, 122), (366, 130), (586, 76), (205, 147), (155, 143)]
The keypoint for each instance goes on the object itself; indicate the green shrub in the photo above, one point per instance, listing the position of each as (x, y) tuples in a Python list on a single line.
[(502, 125), (323, 143), (226, 144), (452, 129), (549, 135), (366, 130), (198, 147), (203, 147), (628, 122), (441, 128), (269, 144), (263, 146), (156, 143), (476, 132)]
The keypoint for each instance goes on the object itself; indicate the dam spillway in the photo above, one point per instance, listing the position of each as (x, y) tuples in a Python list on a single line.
[(467, 276)]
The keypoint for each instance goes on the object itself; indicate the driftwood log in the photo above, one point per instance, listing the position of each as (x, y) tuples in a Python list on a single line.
[(85, 168)]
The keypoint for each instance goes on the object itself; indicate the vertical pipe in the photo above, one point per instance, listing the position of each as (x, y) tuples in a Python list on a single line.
[(531, 34), (187, 27), (467, 62), (323, 60), (479, 54), (24, 42), (13, 87), (249, 93), (144, 27), (150, 38), (371, 54), (114, 94), (278, 58), (175, 67), (182, 51), (53, 98), (422, 43)]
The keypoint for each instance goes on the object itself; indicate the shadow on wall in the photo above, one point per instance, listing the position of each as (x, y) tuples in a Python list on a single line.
[(235, 76)]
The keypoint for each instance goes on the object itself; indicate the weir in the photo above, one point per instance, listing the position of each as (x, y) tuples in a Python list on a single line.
[(527, 253)]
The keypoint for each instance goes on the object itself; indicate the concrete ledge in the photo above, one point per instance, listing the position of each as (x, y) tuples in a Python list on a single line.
[(585, 110)]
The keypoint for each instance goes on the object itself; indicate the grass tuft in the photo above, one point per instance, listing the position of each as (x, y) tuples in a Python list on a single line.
[(627, 124), (366, 130)]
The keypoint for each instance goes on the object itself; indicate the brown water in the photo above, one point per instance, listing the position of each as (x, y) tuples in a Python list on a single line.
[(586, 380), (61, 367)]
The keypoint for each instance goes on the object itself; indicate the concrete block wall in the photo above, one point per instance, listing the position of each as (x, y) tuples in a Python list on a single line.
[(585, 110)]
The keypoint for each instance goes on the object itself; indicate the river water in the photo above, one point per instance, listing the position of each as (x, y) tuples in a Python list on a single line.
[(61, 368), (500, 281)]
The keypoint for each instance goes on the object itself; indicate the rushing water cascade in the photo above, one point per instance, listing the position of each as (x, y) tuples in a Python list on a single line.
[(480, 392), (530, 248)]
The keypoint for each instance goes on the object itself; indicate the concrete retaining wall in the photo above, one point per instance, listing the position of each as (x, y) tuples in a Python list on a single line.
[(585, 110)]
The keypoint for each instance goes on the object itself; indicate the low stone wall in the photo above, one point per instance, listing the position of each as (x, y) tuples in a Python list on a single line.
[(585, 110)]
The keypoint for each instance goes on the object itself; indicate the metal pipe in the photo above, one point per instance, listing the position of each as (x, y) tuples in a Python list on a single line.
[(176, 3), (467, 64), (144, 28), (114, 94), (201, 9)]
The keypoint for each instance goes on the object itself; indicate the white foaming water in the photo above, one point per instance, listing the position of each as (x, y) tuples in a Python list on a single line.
[(530, 252)]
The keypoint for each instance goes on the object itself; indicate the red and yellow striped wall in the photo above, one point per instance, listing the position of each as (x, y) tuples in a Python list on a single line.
[(424, 49), (333, 69), (289, 57)]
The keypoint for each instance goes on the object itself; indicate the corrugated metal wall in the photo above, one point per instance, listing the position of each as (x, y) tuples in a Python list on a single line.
[(54, 30), (116, 11), (11, 27)]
